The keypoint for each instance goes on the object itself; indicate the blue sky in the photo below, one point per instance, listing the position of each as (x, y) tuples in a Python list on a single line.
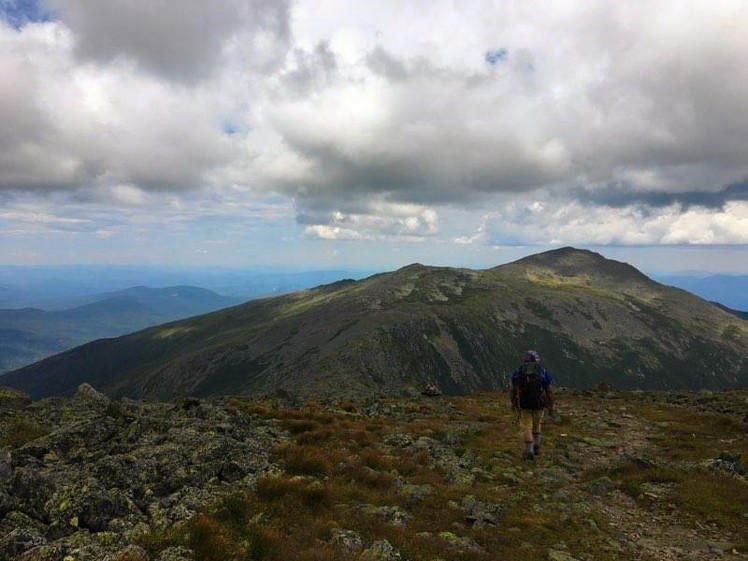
[(318, 134), (18, 13)]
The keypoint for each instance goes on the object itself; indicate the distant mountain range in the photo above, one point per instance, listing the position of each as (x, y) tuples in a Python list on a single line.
[(56, 288), (594, 320), (29, 334), (728, 290)]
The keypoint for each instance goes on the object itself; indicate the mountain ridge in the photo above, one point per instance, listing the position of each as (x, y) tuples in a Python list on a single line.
[(30, 334), (594, 320)]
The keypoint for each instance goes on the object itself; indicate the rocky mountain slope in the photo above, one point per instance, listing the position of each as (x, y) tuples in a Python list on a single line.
[(272, 479), (592, 319)]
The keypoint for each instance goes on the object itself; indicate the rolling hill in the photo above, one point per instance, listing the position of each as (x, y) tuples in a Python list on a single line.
[(28, 335), (592, 319)]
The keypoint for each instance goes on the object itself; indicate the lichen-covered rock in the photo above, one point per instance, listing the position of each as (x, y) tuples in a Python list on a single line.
[(107, 472), (461, 543), (6, 470), (481, 514), (381, 550), (131, 553), (19, 533), (88, 505), (601, 486), (391, 514), (11, 398), (413, 493), (87, 396), (31, 489), (347, 540), (176, 554), (557, 555)]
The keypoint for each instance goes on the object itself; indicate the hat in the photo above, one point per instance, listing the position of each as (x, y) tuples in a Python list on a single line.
[(531, 356)]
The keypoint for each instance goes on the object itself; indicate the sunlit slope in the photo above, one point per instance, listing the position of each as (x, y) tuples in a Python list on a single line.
[(592, 319)]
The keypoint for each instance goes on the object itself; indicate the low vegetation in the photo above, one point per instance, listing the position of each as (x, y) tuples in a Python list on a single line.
[(441, 479)]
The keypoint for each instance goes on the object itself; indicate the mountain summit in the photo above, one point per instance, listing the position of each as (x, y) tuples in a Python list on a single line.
[(592, 319)]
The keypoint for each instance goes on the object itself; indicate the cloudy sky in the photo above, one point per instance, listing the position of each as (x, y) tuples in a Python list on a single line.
[(319, 133)]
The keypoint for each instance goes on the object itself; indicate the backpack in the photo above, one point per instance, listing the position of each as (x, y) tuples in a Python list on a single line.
[(530, 387)]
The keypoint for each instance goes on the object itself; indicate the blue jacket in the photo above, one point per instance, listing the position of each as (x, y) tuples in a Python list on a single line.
[(544, 374)]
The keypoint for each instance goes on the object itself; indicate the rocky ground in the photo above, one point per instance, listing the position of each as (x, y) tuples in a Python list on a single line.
[(97, 474), (622, 475)]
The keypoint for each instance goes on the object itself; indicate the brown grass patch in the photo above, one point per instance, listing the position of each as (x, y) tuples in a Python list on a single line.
[(304, 460), (22, 432), (211, 541)]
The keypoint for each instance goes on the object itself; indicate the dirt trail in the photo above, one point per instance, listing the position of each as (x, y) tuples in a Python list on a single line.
[(651, 529)]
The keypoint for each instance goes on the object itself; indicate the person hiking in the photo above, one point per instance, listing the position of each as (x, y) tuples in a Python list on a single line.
[(530, 395)]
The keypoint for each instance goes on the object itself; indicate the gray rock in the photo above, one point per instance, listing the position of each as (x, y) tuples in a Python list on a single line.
[(31, 490), (414, 492), (480, 514), (87, 396), (132, 553), (20, 540), (381, 551), (723, 547), (176, 554), (391, 514), (601, 486), (6, 470), (557, 555), (461, 543), (11, 398), (105, 475), (347, 539)]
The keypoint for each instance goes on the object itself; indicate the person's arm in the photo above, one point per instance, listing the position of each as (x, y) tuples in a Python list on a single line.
[(549, 392), (551, 401), (513, 397)]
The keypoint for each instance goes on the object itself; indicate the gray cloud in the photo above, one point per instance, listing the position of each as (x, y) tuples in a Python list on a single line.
[(367, 120), (311, 71), (610, 108), (622, 195), (180, 41)]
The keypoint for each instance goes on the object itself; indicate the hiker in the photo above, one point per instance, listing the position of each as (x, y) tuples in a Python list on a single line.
[(530, 395)]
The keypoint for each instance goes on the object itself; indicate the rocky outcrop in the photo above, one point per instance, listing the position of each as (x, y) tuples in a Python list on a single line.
[(108, 471)]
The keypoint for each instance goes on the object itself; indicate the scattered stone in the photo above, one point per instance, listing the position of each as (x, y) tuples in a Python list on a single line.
[(176, 554), (107, 472), (722, 547), (414, 493), (460, 543), (480, 514), (87, 396), (556, 555), (347, 540), (601, 486), (381, 551), (391, 514), (132, 553), (11, 398)]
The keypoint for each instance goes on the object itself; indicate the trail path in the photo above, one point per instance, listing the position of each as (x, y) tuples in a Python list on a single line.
[(642, 530)]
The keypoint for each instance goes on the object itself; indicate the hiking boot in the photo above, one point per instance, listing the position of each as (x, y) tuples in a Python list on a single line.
[(528, 456)]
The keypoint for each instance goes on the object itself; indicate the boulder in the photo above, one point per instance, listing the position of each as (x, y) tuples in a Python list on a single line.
[(87, 396), (11, 398)]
